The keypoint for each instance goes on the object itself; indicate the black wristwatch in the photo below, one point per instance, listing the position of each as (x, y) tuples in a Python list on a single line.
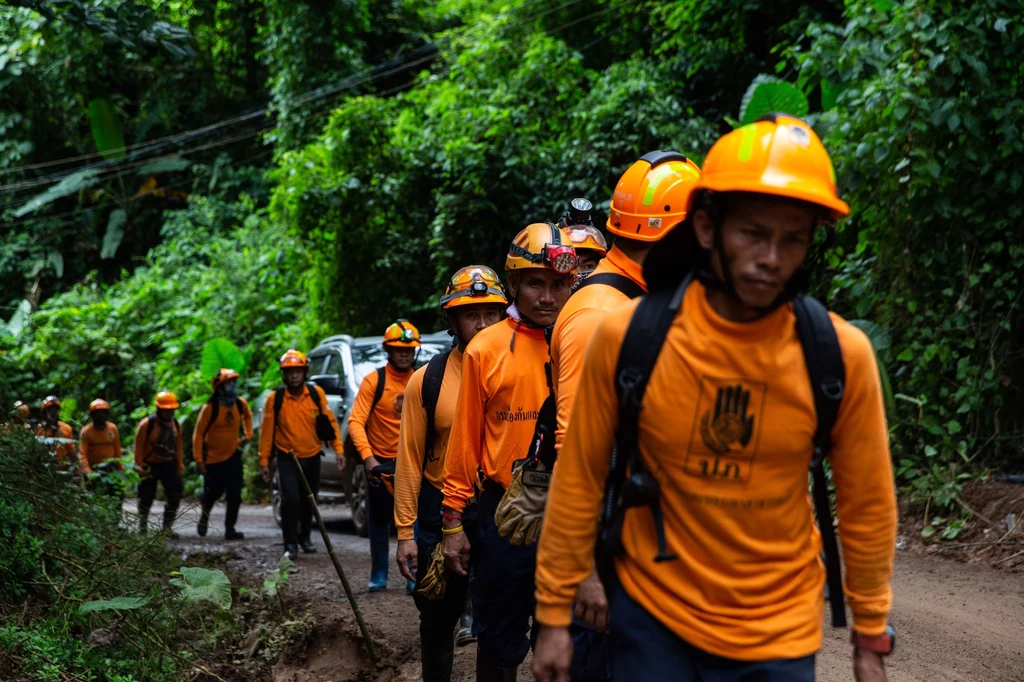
[(881, 644)]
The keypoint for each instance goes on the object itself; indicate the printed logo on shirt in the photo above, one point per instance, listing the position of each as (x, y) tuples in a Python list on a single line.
[(726, 427), (230, 418), (399, 401), (110, 435)]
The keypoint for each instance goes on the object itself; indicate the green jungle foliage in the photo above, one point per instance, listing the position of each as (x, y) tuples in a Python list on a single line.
[(344, 159)]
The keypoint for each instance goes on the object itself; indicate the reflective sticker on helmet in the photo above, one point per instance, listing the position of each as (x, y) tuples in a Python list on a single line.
[(747, 143), (655, 178), (799, 136), (654, 222)]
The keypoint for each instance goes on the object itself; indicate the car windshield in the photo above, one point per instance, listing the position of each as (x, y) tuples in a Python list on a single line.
[(367, 358)]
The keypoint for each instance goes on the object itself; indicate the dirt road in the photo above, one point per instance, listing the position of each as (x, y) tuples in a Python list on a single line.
[(956, 622)]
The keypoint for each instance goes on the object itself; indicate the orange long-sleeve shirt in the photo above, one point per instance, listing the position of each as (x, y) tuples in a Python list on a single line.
[(502, 389), (98, 445), (576, 326), (220, 443), (376, 435), (146, 439), (62, 451), (726, 428), (297, 429), (412, 446)]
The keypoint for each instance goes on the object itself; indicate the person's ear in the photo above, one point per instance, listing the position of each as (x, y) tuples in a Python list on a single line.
[(704, 229)]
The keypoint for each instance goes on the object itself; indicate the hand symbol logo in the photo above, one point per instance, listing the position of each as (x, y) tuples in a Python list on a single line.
[(729, 423)]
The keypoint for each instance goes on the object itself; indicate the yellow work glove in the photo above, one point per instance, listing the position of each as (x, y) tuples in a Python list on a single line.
[(435, 582), (520, 513)]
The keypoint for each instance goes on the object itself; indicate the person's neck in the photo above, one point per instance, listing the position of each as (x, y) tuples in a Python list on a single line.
[(99, 425), (462, 346), (396, 370), (637, 254), (297, 390), (730, 308)]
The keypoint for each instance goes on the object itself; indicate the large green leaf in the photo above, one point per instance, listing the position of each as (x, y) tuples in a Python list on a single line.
[(105, 131), (19, 320), (220, 353), (203, 584), (115, 233), (73, 183), (116, 604), (165, 165), (767, 95)]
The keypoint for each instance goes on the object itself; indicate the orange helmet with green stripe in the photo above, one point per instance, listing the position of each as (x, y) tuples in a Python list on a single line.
[(472, 285), (402, 334), (779, 155), (652, 196)]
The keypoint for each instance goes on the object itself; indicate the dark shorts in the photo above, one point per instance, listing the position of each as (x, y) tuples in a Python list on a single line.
[(643, 649)]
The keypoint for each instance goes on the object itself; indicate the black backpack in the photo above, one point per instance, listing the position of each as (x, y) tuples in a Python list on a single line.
[(430, 391), (324, 428), (542, 445), (640, 349), (151, 421), (215, 411)]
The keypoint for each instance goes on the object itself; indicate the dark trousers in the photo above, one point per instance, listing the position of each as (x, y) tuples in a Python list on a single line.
[(438, 619), (296, 511), (503, 600), (224, 478), (165, 473), (643, 649)]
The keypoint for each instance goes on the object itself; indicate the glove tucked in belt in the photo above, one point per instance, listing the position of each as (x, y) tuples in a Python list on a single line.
[(386, 472), (520, 513)]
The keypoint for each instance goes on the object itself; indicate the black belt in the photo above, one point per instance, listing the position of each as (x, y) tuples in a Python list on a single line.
[(493, 487)]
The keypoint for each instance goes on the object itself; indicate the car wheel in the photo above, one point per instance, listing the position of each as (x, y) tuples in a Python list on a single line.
[(275, 500), (358, 499)]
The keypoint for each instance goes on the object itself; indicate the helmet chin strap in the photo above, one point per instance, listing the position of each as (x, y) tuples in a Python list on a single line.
[(726, 285)]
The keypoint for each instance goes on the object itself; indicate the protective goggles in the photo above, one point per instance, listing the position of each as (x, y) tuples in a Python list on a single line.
[(476, 289)]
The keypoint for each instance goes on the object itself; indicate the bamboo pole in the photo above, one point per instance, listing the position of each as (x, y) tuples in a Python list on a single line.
[(336, 561)]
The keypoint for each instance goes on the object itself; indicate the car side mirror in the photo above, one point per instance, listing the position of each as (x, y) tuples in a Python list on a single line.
[(331, 383)]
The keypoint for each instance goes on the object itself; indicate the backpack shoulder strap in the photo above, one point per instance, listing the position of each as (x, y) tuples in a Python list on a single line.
[(624, 285), (278, 404), (827, 373), (315, 396), (214, 411), (382, 375), (429, 393)]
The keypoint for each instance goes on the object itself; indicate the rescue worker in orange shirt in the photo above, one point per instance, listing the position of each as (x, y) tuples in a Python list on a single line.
[(473, 301), (717, 569), (52, 427), (159, 459), (374, 426), (503, 387), (296, 418), (217, 450), (587, 240), (649, 200), (99, 440)]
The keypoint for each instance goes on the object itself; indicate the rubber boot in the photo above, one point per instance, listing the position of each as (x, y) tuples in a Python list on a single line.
[(230, 519), (170, 511), (464, 635), (379, 549), (204, 521), (437, 664)]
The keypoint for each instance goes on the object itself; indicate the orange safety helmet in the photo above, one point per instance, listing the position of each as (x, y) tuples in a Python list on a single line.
[(402, 334), (586, 237), (779, 155), (49, 401), (293, 358), (99, 404), (223, 376), (472, 285), (165, 400), (541, 245), (21, 409), (652, 196)]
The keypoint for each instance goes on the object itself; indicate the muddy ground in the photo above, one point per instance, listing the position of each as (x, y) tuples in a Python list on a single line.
[(957, 621)]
